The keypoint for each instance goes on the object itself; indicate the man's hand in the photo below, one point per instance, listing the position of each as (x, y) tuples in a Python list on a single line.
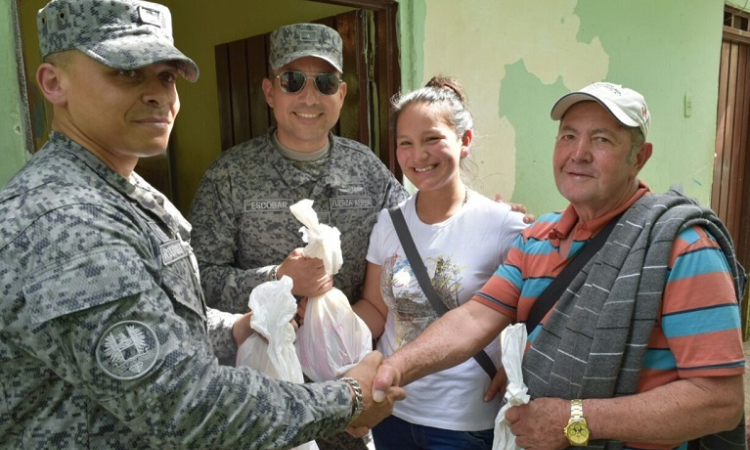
[(539, 424), (373, 412), (517, 207), (386, 378), (308, 274), (241, 329), (498, 384), (299, 318)]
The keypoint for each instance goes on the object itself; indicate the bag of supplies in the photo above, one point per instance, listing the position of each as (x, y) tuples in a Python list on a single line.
[(333, 338), (513, 341), (270, 349)]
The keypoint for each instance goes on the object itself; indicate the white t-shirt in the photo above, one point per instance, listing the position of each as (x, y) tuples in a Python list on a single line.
[(463, 252)]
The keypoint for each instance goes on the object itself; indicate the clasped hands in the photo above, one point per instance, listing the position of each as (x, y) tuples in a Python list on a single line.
[(379, 392), (536, 425)]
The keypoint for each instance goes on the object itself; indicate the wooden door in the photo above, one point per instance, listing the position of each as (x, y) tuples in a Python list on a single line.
[(370, 72), (730, 196)]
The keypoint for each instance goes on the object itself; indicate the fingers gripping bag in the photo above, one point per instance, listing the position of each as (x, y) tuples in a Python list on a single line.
[(270, 349), (513, 342), (333, 338)]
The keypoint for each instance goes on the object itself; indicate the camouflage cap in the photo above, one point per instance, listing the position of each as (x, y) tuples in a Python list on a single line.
[(292, 42), (122, 34)]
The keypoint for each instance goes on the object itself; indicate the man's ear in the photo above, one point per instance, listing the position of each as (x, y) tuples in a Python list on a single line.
[(643, 155), (342, 90), (267, 86), (50, 81)]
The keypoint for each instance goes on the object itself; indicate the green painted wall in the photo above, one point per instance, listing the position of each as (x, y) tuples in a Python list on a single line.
[(516, 57), (13, 125)]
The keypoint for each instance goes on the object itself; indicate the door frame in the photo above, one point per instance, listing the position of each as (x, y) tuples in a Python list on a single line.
[(730, 191)]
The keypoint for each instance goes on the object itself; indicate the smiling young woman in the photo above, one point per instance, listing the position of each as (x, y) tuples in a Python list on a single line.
[(461, 237)]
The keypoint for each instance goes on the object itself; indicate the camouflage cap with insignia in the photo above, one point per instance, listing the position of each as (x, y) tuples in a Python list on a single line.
[(121, 34), (292, 42)]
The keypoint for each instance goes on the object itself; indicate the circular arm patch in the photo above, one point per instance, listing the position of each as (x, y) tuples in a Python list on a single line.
[(127, 350)]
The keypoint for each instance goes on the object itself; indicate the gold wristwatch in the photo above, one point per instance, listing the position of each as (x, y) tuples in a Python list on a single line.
[(577, 429)]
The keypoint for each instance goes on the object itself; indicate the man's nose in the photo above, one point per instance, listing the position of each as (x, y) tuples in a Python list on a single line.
[(581, 151), (310, 92), (157, 93)]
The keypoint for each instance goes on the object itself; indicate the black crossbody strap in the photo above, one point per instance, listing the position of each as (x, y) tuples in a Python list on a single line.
[(557, 287), (417, 265)]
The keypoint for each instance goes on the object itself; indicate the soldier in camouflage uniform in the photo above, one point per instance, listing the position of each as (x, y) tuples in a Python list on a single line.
[(243, 232), (105, 338)]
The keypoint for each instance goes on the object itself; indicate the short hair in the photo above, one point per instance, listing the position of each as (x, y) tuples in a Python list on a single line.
[(60, 59)]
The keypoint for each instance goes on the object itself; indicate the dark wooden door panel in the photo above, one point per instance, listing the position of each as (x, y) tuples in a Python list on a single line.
[(257, 58), (730, 196)]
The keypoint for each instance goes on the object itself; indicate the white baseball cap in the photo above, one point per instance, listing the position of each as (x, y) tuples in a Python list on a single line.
[(626, 105)]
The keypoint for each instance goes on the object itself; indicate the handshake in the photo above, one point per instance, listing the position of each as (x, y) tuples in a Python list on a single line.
[(380, 390)]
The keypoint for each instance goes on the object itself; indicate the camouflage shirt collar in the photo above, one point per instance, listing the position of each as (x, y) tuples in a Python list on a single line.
[(80, 152), (135, 187), (292, 175)]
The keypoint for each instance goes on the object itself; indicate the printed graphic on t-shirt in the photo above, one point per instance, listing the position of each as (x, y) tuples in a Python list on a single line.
[(404, 296)]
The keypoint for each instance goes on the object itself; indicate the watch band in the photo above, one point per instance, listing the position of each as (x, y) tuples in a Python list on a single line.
[(576, 409), (273, 274), (358, 403), (577, 430)]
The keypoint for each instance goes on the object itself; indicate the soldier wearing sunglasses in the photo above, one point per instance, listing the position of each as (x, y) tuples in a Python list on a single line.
[(243, 233)]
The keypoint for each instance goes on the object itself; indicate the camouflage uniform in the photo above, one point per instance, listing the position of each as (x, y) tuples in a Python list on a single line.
[(241, 220), (105, 340)]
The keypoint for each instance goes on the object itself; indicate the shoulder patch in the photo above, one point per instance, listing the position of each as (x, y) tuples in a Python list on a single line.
[(127, 350)]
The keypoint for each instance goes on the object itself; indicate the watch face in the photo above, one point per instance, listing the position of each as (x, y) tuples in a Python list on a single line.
[(577, 432)]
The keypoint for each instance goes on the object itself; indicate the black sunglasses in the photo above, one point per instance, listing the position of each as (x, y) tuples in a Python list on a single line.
[(293, 81)]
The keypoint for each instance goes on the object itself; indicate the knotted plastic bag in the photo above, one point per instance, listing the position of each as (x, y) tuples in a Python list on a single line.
[(270, 349), (333, 338), (513, 341), (323, 241)]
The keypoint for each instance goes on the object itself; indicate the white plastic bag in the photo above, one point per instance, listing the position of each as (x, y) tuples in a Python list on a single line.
[(333, 338), (513, 341), (270, 349), (323, 241)]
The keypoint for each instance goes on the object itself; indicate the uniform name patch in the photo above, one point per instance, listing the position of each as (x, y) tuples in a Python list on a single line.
[(127, 350), (266, 205), (172, 251), (350, 190), (351, 202)]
